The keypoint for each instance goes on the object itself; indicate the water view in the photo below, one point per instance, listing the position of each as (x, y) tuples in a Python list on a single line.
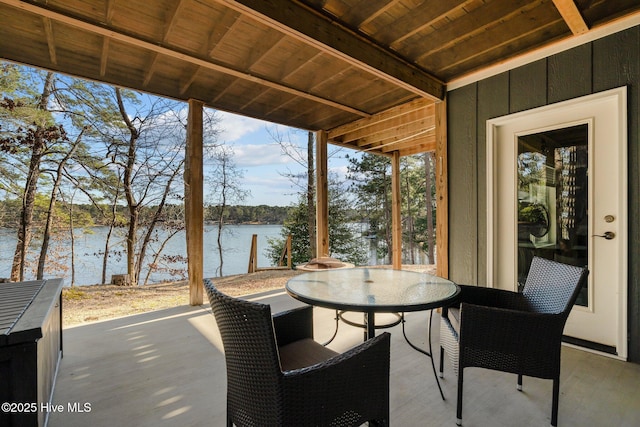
[(236, 243)]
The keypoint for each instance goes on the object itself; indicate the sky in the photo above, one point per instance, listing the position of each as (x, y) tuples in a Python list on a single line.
[(260, 158)]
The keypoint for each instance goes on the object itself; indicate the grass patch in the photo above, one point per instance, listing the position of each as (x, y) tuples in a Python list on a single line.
[(74, 294)]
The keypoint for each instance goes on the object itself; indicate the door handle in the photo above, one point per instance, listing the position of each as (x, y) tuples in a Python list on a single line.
[(608, 235)]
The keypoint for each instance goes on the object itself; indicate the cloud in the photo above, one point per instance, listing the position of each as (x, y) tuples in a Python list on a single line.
[(235, 127), (251, 155)]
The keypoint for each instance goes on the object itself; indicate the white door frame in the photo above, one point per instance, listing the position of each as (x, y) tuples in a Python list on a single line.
[(619, 96)]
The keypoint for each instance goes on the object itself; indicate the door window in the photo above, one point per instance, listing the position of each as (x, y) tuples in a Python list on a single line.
[(552, 197)]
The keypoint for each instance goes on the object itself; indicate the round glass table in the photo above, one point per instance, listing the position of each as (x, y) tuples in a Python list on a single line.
[(374, 290)]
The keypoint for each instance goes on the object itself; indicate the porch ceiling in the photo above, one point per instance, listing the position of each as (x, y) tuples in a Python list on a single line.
[(334, 65)]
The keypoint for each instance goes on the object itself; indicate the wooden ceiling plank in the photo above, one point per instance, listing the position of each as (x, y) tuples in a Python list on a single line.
[(301, 22), (418, 104), (226, 90), (187, 84), (289, 73), (485, 51), (397, 135), (354, 147), (255, 98), (425, 140), (571, 15), (471, 25), (418, 149), (222, 27), (263, 48), (172, 19), (281, 106), (51, 43), (94, 28), (418, 22), (150, 69), (378, 12), (406, 123), (220, 38)]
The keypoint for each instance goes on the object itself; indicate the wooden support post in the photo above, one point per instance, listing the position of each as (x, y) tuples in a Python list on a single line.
[(289, 262), (322, 198), (253, 255), (194, 202), (396, 212), (442, 192)]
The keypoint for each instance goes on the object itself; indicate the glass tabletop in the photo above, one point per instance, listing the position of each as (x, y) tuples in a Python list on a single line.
[(372, 289)]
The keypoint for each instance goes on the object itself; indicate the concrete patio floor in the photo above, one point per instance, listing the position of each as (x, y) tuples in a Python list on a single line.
[(166, 368)]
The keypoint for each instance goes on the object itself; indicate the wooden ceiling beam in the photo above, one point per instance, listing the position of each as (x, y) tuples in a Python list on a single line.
[(44, 11), (391, 138), (303, 23), (390, 114), (408, 123), (426, 142), (571, 15)]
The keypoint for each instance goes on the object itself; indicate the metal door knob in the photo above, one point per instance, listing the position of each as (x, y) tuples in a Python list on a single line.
[(608, 235)]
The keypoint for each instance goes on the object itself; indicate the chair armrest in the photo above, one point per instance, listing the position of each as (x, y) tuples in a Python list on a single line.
[(342, 381), (491, 297), (293, 325)]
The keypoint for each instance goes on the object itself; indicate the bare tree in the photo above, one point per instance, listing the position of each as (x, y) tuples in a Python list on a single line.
[(226, 182), (150, 155), (58, 176)]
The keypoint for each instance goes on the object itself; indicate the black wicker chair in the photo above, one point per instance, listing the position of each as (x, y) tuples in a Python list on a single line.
[(513, 332), (277, 375)]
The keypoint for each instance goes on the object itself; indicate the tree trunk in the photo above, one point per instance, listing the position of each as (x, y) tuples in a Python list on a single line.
[(46, 235), (428, 158), (411, 240), (154, 222), (134, 208), (29, 197), (73, 244), (223, 206), (311, 209)]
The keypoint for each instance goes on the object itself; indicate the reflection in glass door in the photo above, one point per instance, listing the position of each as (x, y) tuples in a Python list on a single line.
[(553, 199)]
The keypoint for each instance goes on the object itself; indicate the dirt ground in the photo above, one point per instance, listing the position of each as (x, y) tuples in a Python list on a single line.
[(99, 302)]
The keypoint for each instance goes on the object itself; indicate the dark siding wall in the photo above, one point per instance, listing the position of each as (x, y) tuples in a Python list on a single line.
[(463, 170), (594, 67)]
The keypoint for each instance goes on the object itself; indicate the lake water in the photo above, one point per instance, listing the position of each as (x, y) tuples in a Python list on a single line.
[(236, 244)]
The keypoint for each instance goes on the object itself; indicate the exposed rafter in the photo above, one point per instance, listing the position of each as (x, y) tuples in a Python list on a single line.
[(98, 29), (48, 29), (406, 129), (571, 16), (301, 22)]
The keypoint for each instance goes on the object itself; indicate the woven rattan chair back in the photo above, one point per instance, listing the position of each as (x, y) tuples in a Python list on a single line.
[(551, 286), (254, 384)]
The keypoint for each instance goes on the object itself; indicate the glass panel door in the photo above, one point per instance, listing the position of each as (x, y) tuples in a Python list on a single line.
[(553, 199)]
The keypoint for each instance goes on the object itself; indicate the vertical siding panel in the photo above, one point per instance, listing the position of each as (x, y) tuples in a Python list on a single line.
[(616, 62), (570, 74), (493, 101), (528, 86), (603, 64), (463, 190)]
